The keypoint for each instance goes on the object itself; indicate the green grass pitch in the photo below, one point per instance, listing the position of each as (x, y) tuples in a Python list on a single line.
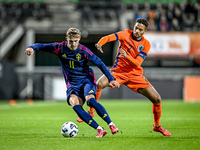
[(37, 126)]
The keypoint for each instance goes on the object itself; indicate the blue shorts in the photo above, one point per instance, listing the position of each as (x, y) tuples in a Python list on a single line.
[(82, 90)]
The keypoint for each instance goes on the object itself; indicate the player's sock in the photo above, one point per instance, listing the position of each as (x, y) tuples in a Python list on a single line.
[(99, 128), (101, 111), (85, 116), (157, 110), (91, 110), (110, 124), (98, 94)]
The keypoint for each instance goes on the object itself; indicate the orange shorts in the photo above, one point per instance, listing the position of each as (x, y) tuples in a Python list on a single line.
[(131, 80)]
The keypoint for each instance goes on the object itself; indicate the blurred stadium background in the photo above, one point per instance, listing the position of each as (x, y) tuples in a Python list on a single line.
[(172, 65)]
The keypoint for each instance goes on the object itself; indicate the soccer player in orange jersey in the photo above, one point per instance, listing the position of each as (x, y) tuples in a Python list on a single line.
[(127, 68)]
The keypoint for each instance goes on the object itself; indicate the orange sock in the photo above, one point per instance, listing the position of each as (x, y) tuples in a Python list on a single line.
[(98, 94), (157, 110)]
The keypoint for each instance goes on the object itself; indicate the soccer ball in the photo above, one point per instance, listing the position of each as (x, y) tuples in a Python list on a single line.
[(69, 129)]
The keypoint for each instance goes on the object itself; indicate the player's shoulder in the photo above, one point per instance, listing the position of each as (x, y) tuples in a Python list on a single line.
[(84, 49), (63, 43), (127, 31), (146, 41)]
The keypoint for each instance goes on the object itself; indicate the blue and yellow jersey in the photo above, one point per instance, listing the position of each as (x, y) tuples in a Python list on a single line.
[(74, 62)]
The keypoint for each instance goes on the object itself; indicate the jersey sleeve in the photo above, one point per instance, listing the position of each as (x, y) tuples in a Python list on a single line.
[(106, 39), (137, 61), (98, 62), (50, 47), (120, 35), (147, 47), (141, 56)]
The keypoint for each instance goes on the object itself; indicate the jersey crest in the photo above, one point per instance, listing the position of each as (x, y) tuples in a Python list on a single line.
[(140, 48), (64, 55), (78, 56)]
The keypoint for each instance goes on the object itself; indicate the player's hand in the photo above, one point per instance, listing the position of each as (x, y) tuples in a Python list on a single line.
[(98, 46), (29, 51), (123, 52), (114, 84)]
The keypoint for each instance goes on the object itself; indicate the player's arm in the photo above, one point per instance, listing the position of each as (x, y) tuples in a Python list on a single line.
[(40, 47), (98, 62), (29, 51), (112, 83), (136, 61), (104, 40)]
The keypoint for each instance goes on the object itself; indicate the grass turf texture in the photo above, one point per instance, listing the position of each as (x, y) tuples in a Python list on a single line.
[(37, 126)]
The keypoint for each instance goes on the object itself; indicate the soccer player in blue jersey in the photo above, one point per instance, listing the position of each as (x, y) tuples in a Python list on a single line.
[(79, 78)]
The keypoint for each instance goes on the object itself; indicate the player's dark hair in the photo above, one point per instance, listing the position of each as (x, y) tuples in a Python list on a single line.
[(143, 21), (73, 32)]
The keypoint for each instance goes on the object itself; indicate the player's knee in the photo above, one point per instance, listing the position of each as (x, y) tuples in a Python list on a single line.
[(99, 85), (102, 82), (157, 98), (89, 97), (91, 102), (73, 100)]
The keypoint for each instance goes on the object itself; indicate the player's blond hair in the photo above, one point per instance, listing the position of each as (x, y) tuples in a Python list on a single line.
[(73, 32)]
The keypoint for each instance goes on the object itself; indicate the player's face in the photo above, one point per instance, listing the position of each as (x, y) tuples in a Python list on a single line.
[(73, 42), (138, 30)]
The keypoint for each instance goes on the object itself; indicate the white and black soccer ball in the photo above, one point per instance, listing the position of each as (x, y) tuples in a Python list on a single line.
[(69, 129)]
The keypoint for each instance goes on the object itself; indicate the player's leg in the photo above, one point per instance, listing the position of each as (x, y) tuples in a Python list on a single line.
[(101, 111), (101, 83), (76, 104), (155, 98)]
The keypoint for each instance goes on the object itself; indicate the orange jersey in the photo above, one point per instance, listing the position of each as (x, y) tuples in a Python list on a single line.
[(135, 49)]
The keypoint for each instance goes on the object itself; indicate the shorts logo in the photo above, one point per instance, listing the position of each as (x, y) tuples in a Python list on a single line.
[(78, 56), (91, 91), (64, 55), (140, 48)]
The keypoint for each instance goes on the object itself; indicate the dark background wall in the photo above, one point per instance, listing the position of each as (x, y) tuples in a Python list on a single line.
[(8, 81)]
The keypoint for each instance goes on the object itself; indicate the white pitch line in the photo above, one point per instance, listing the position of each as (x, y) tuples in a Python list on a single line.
[(24, 105)]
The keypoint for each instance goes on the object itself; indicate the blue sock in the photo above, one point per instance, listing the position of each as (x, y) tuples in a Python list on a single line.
[(85, 116), (101, 111)]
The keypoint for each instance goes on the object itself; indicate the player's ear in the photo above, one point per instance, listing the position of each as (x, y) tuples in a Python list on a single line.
[(145, 30), (65, 38)]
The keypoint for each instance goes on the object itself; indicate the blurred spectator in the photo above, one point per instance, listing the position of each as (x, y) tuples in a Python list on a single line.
[(189, 16), (163, 24), (197, 6), (176, 12), (152, 21), (175, 25), (176, 18), (140, 14), (190, 9)]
